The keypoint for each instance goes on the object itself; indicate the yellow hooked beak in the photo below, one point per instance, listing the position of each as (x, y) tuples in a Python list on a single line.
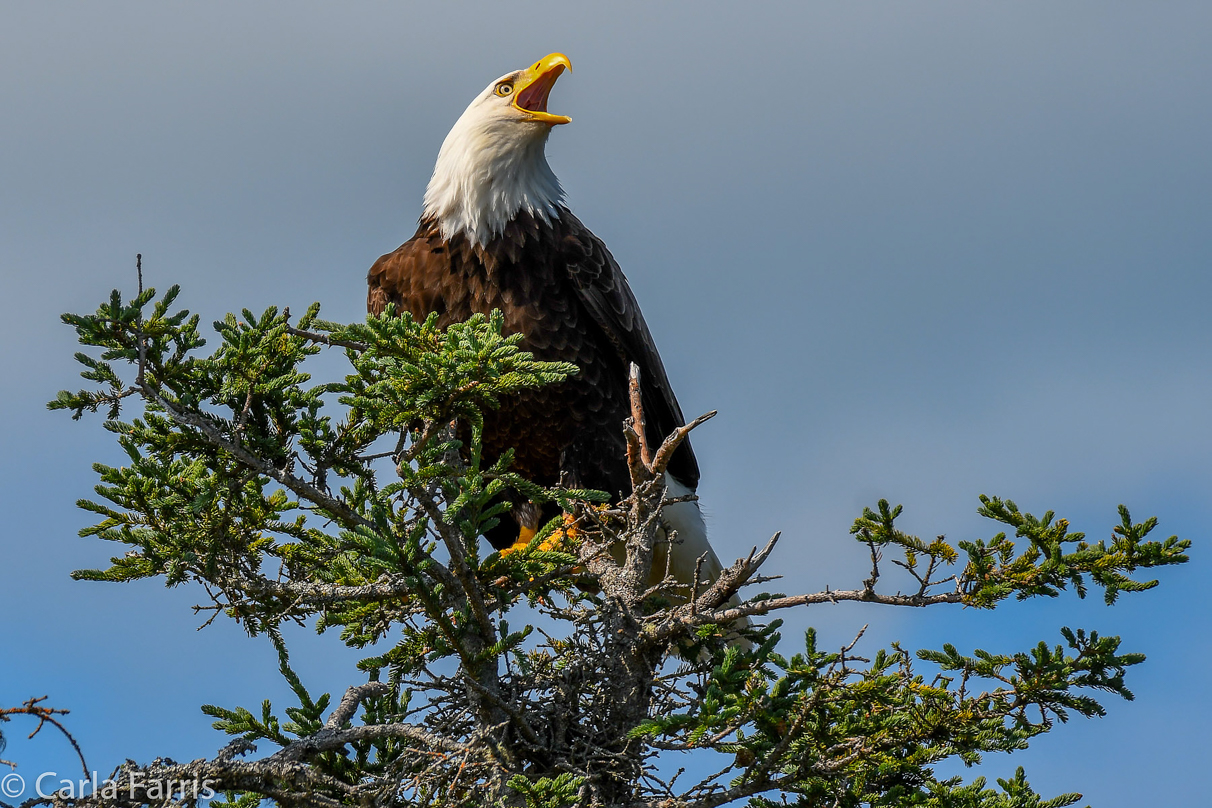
[(534, 84)]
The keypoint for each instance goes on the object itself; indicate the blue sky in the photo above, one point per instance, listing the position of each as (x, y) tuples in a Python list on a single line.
[(917, 251)]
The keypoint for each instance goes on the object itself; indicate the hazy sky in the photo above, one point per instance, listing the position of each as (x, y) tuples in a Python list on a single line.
[(920, 251)]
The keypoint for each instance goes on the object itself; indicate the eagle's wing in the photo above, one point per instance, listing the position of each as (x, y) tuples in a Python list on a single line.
[(407, 277), (604, 291)]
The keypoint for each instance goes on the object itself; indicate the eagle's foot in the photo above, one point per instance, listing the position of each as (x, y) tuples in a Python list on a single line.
[(560, 540), (525, 536)]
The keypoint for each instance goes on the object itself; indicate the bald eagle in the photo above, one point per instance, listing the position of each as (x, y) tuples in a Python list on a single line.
[(495, 233)]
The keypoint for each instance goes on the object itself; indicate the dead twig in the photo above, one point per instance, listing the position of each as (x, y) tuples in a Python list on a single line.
[(46, 715)]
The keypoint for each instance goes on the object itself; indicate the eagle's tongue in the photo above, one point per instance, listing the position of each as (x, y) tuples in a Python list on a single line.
[(534, 97)]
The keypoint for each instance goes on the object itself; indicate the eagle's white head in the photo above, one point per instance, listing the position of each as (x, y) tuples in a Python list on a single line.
[(492, 164)]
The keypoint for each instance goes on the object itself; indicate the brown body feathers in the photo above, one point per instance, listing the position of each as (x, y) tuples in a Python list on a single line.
[(559, 287)]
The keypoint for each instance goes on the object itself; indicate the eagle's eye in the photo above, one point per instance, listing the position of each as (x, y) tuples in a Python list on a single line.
[(504, 89)]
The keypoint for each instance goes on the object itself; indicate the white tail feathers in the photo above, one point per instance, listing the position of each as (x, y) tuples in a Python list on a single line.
[(689, 544)]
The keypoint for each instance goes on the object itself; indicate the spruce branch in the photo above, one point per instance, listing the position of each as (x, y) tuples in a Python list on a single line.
[(270, 490)]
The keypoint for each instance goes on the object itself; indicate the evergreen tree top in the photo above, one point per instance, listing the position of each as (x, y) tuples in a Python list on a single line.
[(357, 503)]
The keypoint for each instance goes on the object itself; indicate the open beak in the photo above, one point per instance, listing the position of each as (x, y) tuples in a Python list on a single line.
[(534, 85)]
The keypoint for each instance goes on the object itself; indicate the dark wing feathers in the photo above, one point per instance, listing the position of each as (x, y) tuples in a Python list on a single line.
[(608, 298)]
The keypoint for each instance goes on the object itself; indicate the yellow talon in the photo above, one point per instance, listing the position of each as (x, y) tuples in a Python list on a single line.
[(556, 541), (525, 535), (561, 536)]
